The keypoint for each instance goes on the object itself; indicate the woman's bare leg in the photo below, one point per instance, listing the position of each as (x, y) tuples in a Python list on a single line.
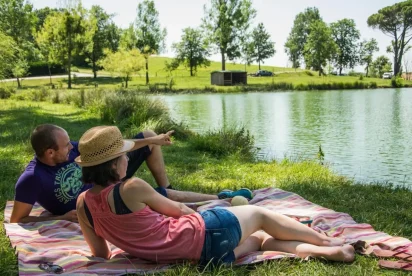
[(254, 218), (263, 241)]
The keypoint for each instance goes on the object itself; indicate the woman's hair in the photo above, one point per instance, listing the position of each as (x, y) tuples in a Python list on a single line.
[(103, 174)]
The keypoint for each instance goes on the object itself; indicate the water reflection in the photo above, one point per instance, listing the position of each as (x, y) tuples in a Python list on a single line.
[(365, 134)]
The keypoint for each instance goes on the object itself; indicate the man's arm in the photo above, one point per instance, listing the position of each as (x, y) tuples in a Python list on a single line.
[(161, 140), (21, 212)]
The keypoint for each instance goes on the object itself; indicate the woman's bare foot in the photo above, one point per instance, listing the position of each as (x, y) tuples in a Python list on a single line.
[(344, 253)]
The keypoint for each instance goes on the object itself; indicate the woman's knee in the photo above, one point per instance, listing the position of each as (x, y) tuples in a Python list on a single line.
[(149, 133)]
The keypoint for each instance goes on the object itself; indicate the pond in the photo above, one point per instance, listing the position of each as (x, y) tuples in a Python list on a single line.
[(364, 134)]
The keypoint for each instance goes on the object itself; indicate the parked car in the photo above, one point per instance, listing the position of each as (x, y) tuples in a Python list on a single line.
[(387, 76), (263, 73)]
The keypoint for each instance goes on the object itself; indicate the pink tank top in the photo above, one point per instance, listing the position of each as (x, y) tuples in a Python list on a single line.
[(147, 234)]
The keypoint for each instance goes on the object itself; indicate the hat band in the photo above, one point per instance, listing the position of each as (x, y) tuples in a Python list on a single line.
[(104, 152)]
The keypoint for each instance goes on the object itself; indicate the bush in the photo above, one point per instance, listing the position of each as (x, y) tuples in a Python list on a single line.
[(40, 68), (6, 92), (397, 82), (361, 77), (225, 142)]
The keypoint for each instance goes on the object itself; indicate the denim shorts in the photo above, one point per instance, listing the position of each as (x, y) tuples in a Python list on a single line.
[(223, 234)]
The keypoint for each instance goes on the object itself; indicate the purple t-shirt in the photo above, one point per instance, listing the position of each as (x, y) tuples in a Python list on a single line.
[(56, 188)]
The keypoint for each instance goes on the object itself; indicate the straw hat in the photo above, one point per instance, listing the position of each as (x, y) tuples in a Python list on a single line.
[(101, 144)]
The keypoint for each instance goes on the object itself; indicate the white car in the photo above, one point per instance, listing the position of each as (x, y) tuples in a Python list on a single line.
[(387, 76)]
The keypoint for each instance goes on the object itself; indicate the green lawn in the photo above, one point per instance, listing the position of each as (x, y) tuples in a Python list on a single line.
[(201, 82), (386, 209)]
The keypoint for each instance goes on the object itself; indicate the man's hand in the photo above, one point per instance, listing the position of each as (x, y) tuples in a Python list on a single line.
[(70, 216), (163, 139)]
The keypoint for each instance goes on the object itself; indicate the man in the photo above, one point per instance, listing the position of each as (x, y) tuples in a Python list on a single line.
[(53, 179)]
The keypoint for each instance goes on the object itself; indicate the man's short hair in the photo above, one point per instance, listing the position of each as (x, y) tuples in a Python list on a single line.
[(43, 138)]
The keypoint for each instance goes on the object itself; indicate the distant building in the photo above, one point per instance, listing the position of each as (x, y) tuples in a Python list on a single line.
[(228, 77), (407, 76)]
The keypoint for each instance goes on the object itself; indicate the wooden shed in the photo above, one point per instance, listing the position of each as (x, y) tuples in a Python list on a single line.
[(228, 77)]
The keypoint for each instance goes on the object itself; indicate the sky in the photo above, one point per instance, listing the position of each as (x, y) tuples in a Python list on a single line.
[(277, 17)]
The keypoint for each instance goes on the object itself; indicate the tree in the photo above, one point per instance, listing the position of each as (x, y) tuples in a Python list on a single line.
[(381, 65), (41, 15), (101, 34), (367, 49), (320, 46), (396, 22), (262, 47), (64, 32), (295, 44), (7, 54), (192, 50), (17, 21), (147, 34), (225, 23), (346, 37), (123, 62)]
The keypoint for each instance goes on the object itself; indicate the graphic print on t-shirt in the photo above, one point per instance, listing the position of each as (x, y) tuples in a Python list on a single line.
[(69, 183)]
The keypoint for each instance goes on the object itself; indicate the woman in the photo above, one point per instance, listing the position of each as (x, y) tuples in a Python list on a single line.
[(134, 217)]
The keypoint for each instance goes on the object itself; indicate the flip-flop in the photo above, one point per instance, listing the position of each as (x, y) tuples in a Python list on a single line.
[(404, 254), (402, 265)]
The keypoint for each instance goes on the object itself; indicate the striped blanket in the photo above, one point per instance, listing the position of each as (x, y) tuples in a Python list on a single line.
[(62, 243)]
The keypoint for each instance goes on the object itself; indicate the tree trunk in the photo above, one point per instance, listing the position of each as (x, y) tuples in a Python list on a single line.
[(223, 60), (340, 71), (94, 69), (147, 71), (367, 70), (259, 64), (18, 82), (127, 82), (191, 70), (48, 66)]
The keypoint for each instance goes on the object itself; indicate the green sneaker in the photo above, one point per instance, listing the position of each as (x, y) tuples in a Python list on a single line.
[(230, 194)]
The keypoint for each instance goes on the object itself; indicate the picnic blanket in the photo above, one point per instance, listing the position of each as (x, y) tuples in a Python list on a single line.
[(62, 243)]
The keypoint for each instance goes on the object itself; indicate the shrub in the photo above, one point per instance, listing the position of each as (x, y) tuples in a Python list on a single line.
[(373, 85), (225, 142), (361, 77), (6, 92), (40, 68), (397, 82)]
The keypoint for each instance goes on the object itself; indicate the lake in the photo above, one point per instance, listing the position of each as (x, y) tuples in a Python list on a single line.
[(364, 134)]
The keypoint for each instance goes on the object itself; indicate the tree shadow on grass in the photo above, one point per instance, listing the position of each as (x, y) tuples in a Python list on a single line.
[(90, 81)]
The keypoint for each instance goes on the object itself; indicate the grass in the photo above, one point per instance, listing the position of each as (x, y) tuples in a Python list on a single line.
[(195, 168), (283, 79)]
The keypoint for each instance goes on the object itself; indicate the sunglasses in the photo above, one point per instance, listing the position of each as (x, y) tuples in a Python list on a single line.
[(51, 268)]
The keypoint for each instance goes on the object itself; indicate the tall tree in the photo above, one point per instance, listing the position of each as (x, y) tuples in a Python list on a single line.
[(192, 50), (225, 23), (101, 34), (319, 47), (381, 65), (17, 21), (123, 62), (367, 49), (262, 47), (64, 32), (7, 54), (346, 37), (149, 36), (41, 15), (396, 22), (295, 44)]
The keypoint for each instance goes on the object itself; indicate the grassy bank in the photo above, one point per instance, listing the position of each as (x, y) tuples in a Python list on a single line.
[(160, 80), (193, 163)]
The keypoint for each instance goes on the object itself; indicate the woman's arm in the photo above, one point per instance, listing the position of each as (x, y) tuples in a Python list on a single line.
[(136, 191), (97, 245)]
